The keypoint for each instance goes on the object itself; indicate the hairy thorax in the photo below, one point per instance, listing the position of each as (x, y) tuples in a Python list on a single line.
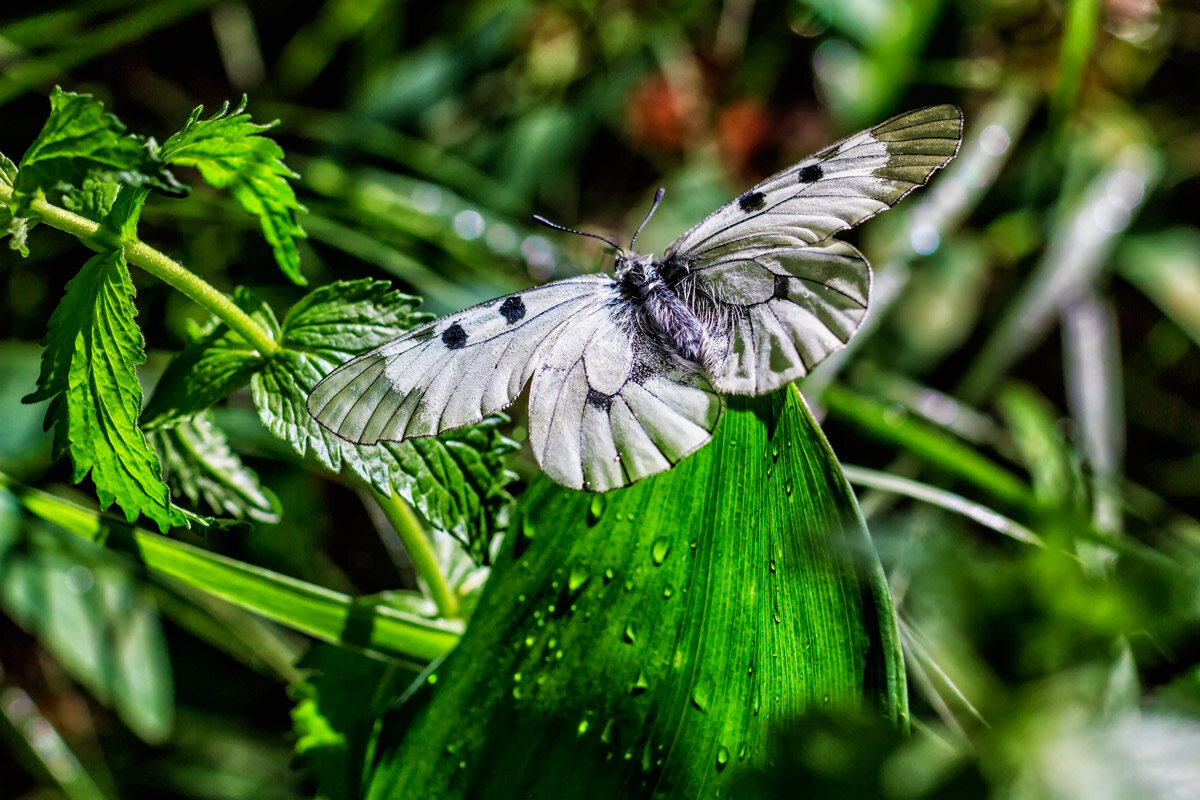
[(648, 286)]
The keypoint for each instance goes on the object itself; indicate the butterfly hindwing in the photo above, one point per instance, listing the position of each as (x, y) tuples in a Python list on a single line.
[(836, 189), (775, 312), (453, 371), (608, 407)]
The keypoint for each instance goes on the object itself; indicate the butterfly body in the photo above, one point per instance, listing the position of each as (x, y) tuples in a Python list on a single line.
[(657, 310), (626, 371)]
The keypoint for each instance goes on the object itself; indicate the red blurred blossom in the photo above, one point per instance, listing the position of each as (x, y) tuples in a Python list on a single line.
[(660, 115), (742, 131)]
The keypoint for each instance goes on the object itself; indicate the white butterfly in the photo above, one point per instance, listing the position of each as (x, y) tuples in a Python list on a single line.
[(628, 370)]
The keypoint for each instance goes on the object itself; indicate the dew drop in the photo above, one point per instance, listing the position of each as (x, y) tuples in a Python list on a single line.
[(432, 679), (722, 757), (606, 734), (668, 591), (608, 576), (596, 509), (639, 686), (579, 578), (659, 550), (742, 751), (630, 634)]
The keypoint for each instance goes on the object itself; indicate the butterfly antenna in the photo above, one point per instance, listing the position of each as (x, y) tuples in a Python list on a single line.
[(658, 196), (543, 221)]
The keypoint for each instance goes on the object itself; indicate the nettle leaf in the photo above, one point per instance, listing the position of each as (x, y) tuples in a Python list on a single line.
[(657, 641), (109, 202), (89, 374), (79, 139), (458, 481), (215, 365), (199, 464), (15, 227), (231, 152)]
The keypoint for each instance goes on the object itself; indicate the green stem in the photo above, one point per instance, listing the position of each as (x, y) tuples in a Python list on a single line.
[(420, 550), (157, 264)]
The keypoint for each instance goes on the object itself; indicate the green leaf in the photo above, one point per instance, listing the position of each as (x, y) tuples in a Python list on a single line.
[(90, 613), (104, 200), (216, 364), (1165, 266), (361, 623), (93, 349), (199, 463), (652, 641), (11, 225), (231, 153), (79, 139), (337, 703), (458, 482), (1053, 466)]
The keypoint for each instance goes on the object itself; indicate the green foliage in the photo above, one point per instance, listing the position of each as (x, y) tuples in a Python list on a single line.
[(216, 363), (231, 152), (79, 140), (89, 375), (654, 639), (199, 464), (92, 614), (341, 696), (12, 225), (457, 482)]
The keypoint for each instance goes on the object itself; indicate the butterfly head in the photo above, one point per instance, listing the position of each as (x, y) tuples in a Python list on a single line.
[(634, 267)]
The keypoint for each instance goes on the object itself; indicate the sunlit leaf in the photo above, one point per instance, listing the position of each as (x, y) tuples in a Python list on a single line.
[(93, 349), (231, 152), (650, 642)]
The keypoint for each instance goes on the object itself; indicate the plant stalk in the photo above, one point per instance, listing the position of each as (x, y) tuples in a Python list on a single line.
[(157, 264), (420, 550)]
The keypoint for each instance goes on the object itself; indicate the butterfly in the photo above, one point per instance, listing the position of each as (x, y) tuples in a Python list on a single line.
[(627, 370)]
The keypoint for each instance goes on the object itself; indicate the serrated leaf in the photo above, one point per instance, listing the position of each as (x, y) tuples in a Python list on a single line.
[(209, 369), (199, 463), (231, 152), (654, 641), (87, 610), (457, 482), (80, 139), (93, 349), (340, 696)]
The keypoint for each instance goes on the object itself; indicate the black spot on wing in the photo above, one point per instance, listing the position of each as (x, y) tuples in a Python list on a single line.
[(781, 287), (811, 174), (598, 399), (752, 201), (454, 337), (513, 309)]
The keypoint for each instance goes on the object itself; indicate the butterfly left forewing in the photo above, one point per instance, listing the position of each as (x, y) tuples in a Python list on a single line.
[(608, 407), (835, 189), (453, 371)]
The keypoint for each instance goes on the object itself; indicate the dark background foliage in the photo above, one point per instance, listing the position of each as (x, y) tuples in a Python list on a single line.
[(1045, 323)]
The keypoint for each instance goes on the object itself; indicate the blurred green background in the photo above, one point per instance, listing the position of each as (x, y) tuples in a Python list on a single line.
[(1030, 371)]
